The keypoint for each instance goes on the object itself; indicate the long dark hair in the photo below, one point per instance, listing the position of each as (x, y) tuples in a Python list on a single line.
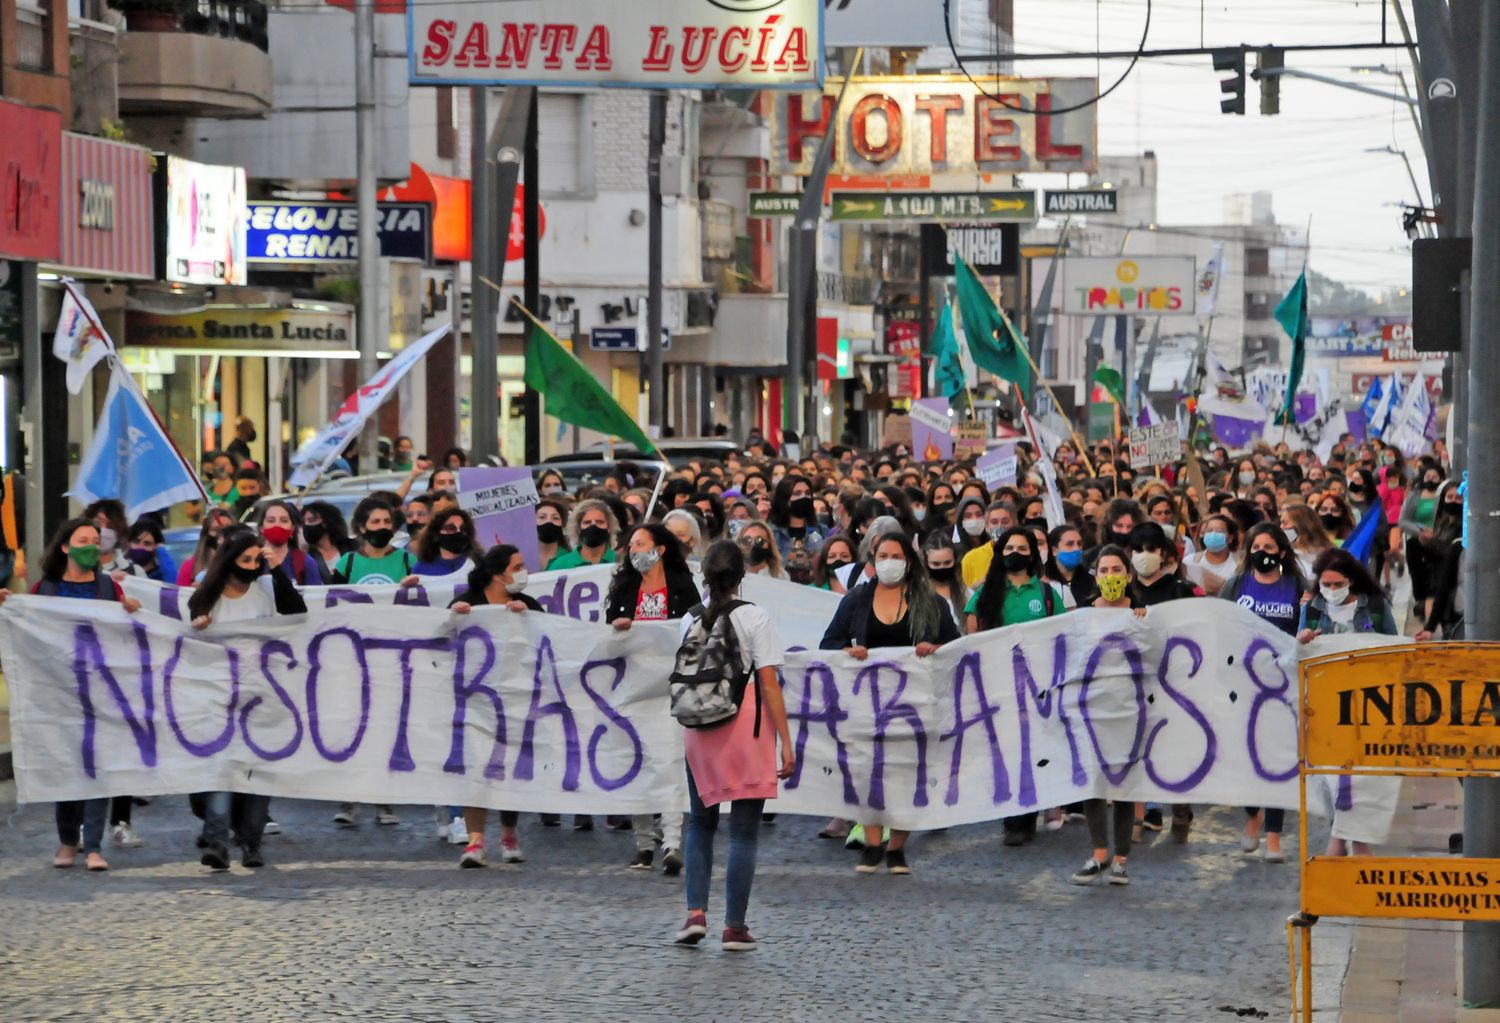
[(781, 500), (1447, 526), (491, 563), (1346, 565), (990, 610), (334, 525), (723, 571), (627, 580), (292, 512), (1288, 559), (233, 542), (925, 606), (55, 560), (426, 546)]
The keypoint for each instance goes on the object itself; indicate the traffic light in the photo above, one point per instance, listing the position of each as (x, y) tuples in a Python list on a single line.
[(1232, 88), (1269, 60)]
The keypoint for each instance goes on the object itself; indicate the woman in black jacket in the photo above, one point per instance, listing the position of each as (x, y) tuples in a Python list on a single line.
[(653, 584), (896, 609)]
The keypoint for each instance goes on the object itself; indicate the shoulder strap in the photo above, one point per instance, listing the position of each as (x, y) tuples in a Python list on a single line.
[(1048, 596)]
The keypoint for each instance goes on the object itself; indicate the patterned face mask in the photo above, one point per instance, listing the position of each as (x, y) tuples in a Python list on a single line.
[(1112, 587)]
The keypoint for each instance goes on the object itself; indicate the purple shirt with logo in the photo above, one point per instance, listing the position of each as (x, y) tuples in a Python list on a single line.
[(1276, 603)]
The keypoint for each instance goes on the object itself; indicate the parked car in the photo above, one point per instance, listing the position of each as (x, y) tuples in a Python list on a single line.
[(677, 450)]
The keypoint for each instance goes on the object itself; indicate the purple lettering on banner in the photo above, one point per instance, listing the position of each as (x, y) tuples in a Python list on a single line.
[(336, 595), (1210, 740), (1266, 694), (1344, 798), (280, 648), (553, 602), (412, 596), (828, 715), (885, 715), (637, 752), (169, 602), (967, 669), (463, 690), (221, 741), (1115, 641), (401, 752), (87, 649), (314, 669), (1026, 687), (556, 708), (584, 593)]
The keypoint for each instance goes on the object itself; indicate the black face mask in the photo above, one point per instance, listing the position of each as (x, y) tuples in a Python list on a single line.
[(941, 575), (1122, 537), (1264, 561), (803, 508), (379, 539), (453, 543), (758, 554), (1015, 561), (939, 512), (314, 532), (245, 575), (549, 532), (593, 536), (1331, 521), (1355, 490), (1036, 522), (1430, 484), (834, 566)]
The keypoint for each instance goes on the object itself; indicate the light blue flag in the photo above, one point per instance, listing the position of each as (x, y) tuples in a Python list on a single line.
[(132, 458)]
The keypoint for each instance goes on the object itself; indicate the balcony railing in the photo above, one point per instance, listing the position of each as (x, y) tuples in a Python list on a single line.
[(244, 20)]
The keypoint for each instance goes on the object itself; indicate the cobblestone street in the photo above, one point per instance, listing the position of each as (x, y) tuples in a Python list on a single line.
[(379, 923)]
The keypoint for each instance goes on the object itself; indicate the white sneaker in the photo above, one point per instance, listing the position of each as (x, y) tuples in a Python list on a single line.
[(473, 856), (124, 835), (385, 815), (510, 851), (345, 816), (458, 832), (271, 828)]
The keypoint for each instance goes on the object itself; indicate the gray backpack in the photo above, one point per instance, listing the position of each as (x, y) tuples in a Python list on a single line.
[(708, 680)]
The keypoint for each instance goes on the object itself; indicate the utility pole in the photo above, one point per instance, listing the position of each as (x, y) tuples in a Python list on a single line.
[(656, 138), (1481, 942), (484, 339), (368, 237), (532, 265)]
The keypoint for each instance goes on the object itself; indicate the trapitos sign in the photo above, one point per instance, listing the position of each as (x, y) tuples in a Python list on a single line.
[(1143, 285)]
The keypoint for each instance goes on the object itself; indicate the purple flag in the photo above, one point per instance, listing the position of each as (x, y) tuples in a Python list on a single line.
[(1233, 432), (1306, 407), (1355, 418)]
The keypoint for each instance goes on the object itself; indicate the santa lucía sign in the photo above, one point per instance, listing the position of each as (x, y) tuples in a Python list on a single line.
[(759, 44)]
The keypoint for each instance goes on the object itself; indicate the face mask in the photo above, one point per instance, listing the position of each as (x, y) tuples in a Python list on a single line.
[(920, 514), (245, 575), (1037, 523), (1453, 506), (1265, 561), (1015, 561), (517, 582), (940, 511), (1145, 562), (1355, 490), (277, 535), (85, 555), (314, 532), (453, 543), (141, 556), (890, 572), (973, 526), (826, 521), (549, 532), (1291, 535), (1430, 484), (552, 490), (996, 532), (941, 575), (834, 566), (645, 561), (1334, 594), (1246, 477), (1331, 521), (802, 508), (107, 539), (379, 539), (735, 525), (1112, 587), (593, 536), (758, 554), (1070, 559)]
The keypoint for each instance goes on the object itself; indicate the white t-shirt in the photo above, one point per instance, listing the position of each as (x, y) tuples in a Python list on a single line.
[(1199, 569), (759, 645), (259, 601)]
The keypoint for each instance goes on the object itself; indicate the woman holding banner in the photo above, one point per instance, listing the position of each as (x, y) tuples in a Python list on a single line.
[(445, 546), (375, 562), (654, 584), (237, 588), (897, 609), (70, 568), (498, 580), (590, 534), (278, 527)]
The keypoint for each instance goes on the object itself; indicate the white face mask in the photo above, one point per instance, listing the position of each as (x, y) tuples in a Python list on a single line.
[(973, 526), (1246, 478), (890, 571), (518, 580), (1145, 562), (1291, 535), (108, 538), (1334, 594)]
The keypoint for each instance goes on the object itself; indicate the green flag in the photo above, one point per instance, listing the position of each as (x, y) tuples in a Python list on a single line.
[(1109, 379), (573, 395), (948, 371), (992, 340), (1292, 315)]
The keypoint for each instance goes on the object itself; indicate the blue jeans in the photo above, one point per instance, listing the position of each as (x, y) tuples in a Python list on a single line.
[(698, 851), (90, 814)]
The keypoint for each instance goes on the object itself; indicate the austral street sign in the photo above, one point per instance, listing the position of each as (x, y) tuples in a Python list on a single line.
[(1104, 200)]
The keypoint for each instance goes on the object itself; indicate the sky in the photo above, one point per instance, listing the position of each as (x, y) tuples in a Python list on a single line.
[(1312, 155)]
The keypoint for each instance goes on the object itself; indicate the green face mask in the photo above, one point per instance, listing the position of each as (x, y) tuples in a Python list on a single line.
[(85, 556)]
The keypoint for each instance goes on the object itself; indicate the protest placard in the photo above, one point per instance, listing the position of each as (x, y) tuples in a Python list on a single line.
[(931, 440), (503, 503), (1154, 445), (998, 467)]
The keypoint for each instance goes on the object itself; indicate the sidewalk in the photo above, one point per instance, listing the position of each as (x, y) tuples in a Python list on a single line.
[(1398, 971)]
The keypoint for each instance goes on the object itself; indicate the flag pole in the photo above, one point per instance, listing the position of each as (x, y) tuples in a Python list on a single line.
[(1082, 448)]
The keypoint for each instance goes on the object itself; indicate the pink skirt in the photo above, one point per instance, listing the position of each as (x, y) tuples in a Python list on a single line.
[(728, 761)]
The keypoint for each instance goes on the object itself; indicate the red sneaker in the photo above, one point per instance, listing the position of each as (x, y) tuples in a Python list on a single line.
[(738, 939), (694, 931)]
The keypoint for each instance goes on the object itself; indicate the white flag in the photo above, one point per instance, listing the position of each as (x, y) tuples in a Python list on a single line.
[(1051, 500), (80, 340), (1208, 282)]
